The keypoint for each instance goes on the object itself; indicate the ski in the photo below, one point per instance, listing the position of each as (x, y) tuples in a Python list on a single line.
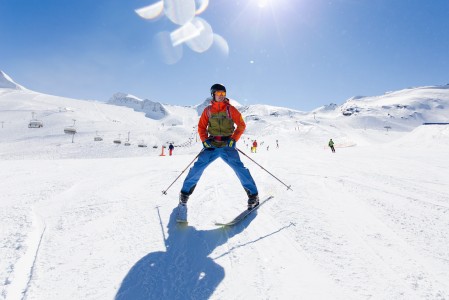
[(243, 214)]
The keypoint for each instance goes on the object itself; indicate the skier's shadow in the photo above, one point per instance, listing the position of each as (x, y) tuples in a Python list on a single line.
[(184, 271)]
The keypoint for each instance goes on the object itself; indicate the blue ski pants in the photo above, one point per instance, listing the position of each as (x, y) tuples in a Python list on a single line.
[(231, 157)]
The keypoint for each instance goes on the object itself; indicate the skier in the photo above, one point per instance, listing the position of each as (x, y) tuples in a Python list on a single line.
[(255, 146), (331, 145), (219, 137), (170, 149)]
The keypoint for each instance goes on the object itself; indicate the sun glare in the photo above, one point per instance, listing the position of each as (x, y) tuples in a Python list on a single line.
[(262, 3)]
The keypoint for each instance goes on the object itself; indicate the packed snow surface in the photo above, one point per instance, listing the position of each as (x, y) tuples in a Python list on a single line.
[(87, 219)]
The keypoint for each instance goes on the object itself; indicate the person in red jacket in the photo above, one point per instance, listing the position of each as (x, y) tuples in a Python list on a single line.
[(220, 127), (254, 146)]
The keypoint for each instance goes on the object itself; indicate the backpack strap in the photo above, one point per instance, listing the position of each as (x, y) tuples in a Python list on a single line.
[(228, 111)]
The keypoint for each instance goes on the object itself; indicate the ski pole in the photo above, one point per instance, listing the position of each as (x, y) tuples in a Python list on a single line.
[(165, 191), (288, 186)]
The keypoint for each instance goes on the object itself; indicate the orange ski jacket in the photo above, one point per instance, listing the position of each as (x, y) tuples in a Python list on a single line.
[(218, 108)]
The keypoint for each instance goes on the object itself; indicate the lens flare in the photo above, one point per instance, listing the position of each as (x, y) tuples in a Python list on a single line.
[(179, 11), (202, 5), (221, 44), (167, 52), (193, 31), (184, 33), (151, 11), (205, 39)]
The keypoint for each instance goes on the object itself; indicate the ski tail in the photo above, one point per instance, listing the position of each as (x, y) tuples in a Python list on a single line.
[(243, 214)]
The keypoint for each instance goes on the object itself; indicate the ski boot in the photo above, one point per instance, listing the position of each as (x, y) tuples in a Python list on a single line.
[(181, 215), (253, 201)]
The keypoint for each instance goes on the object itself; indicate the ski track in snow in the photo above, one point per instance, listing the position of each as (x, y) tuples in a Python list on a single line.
[(22, 271)]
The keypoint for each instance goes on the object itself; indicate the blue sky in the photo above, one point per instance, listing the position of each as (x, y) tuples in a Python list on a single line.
[(293, 53)]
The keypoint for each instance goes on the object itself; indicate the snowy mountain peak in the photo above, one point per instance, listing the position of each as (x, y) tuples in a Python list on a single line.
[(423, 104), (325, 108), (7, 83), (123, 95), (152, 110)]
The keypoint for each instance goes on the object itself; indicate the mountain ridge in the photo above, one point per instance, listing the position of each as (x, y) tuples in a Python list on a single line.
[(411, 106)]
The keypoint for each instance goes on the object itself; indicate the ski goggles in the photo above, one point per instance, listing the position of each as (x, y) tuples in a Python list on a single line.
[(220, 93)]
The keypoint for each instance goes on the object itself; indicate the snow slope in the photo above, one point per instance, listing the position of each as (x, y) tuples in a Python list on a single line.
[(87, 220)]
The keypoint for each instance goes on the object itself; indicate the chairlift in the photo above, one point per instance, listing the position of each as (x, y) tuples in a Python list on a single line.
[(118, 141), (70, 130), (35, 124), (97, 138), (142, 144)]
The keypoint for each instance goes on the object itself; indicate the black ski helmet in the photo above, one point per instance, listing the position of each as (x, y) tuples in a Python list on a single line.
[(217, 87)]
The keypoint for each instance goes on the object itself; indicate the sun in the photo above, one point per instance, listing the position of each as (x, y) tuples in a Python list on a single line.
[(262, 3)]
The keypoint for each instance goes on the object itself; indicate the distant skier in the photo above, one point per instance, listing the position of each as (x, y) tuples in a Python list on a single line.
[(254, 148), (277, 144), (170, 149), (219, 137), (331, 145)]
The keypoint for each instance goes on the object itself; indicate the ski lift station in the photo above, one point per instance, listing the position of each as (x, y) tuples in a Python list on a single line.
[(35, 124)]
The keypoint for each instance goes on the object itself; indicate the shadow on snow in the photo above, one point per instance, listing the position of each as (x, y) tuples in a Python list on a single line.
[(184, 270)]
